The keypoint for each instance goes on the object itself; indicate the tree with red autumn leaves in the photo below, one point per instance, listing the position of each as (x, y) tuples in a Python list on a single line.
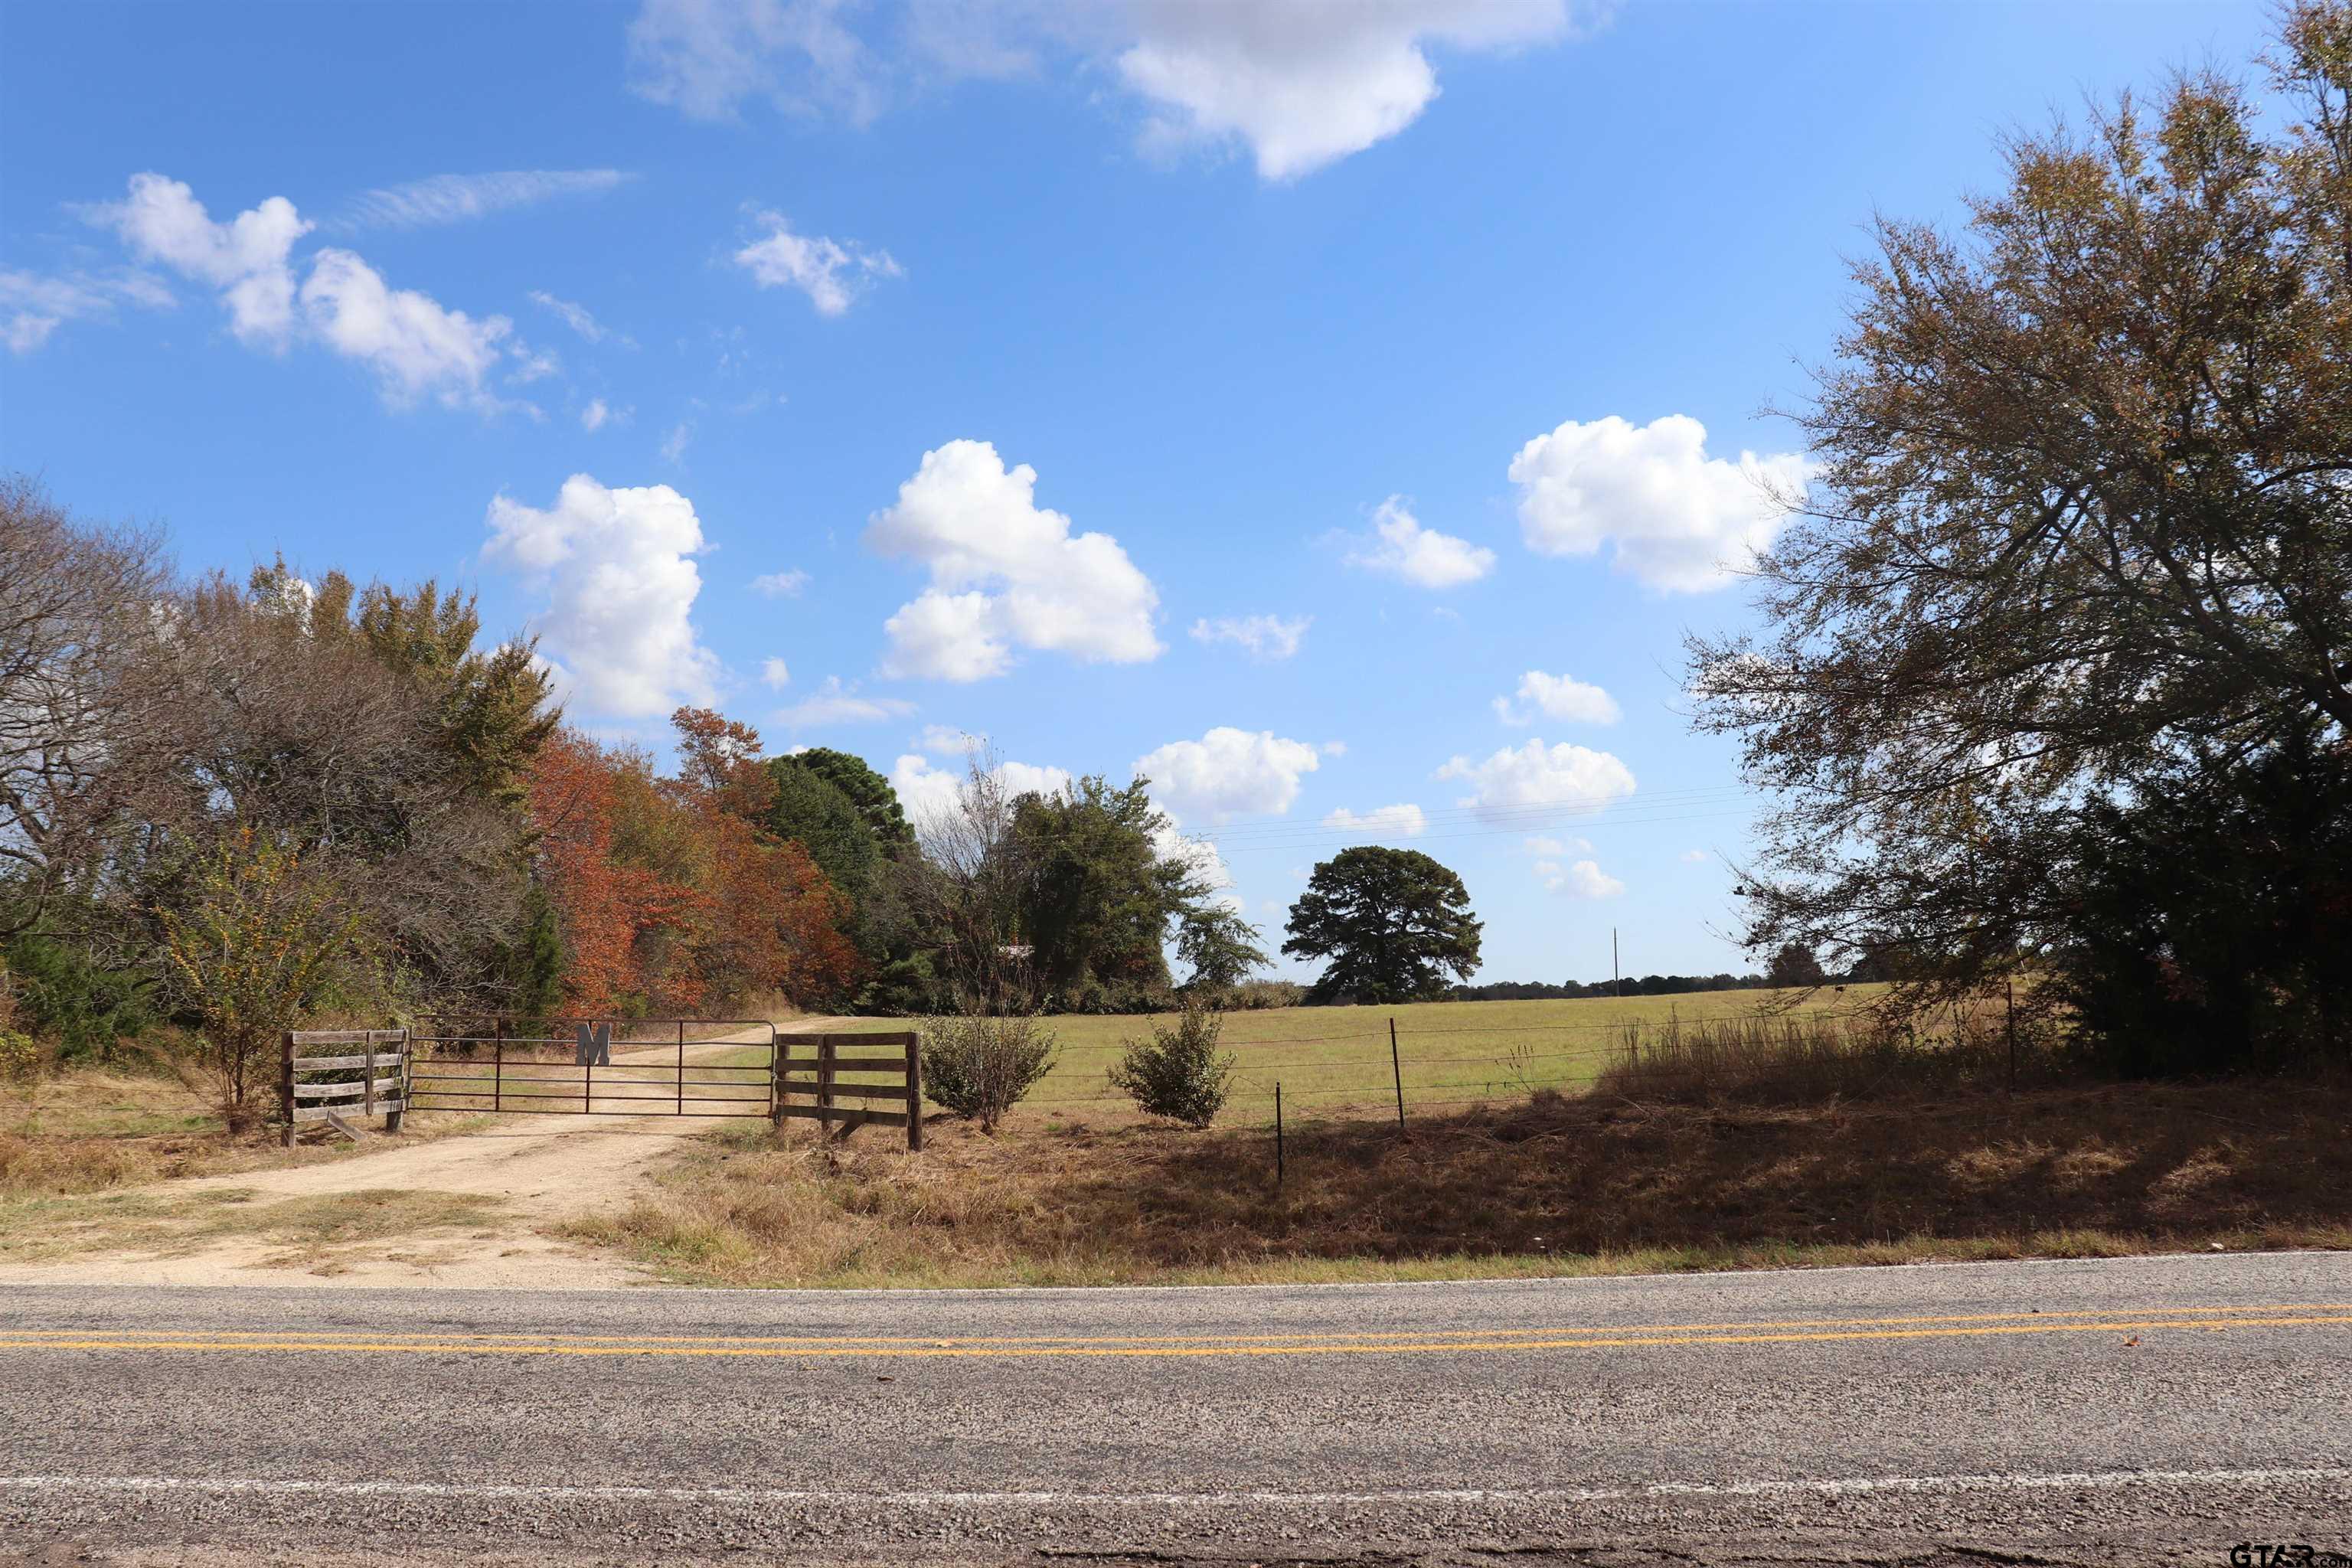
[(668, 894)]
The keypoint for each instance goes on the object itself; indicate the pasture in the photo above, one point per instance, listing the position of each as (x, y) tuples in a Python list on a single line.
[(1334, 1061)]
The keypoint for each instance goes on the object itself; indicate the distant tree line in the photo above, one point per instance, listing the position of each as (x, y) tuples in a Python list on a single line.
[(1569, 990), (227, 805)]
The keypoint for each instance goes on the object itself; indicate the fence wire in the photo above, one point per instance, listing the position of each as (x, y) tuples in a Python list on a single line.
[(1422, 1066)]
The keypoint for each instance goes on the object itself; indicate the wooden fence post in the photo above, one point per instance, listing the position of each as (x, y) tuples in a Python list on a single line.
[(823, 1087), (775, 1079), (1396, 1065), (2009, 1013), (914, 1093), (285, 1092), (400, 1082), (1277, 1133)]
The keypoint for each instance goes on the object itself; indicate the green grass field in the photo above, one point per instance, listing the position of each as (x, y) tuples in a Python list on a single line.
[(1334, 1061), (1330, 1062)]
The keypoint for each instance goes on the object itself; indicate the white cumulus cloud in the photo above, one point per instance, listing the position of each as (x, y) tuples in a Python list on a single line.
[(1207, 862), (1564, 697), (775, 672), (1266, 637), (1552, 848), (1402, 821), (947, 741), (594, 416), (1579, 879), (1299, 84), (1400, 547), (618, 568), (246, 257), (831, 273), (1228, 771), (1680, 521), (1006, 574), (928, 793), (414, 343), (1516, 782), (1304, 83), (785, 585)]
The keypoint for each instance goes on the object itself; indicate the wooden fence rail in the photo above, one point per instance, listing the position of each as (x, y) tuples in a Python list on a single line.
[(334, 1100), (811, 1068)]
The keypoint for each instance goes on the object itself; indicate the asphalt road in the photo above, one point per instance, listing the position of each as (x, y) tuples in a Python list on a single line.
[(2129, 1411)]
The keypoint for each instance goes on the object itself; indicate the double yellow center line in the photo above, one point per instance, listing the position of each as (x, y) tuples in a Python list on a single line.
[(1552, 1336)]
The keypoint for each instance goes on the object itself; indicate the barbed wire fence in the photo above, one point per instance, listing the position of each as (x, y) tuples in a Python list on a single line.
[(1391, 1072)]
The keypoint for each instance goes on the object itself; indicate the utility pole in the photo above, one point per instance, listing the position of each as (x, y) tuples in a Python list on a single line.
[(1616, 981)]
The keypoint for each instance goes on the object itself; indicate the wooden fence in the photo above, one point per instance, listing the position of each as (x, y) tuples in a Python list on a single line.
[(828, 1069), (302, 1098)]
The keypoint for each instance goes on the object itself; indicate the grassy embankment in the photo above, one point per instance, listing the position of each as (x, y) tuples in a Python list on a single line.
[(1746, 1152)]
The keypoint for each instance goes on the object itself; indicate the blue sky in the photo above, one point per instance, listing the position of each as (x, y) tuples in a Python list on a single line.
[(1258, 394)]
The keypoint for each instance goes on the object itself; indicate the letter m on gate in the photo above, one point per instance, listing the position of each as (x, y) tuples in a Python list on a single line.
[(595, 1049)]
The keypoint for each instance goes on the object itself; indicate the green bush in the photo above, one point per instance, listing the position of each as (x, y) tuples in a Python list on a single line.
[(19, 1057), (979, 1068), (1179, 1072), (1252, 995), (2206, 919), (1095, 997), (65, 995)]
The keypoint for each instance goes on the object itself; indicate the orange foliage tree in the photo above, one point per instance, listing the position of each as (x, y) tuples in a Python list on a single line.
[(669, 895)]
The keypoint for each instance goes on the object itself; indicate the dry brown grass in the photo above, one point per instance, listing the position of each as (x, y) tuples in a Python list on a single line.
[(1815, 1058), (88, 1129), (1554, 1185)]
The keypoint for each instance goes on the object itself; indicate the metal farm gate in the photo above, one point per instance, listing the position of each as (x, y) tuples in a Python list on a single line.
[(596, 1067), (673, 1066)]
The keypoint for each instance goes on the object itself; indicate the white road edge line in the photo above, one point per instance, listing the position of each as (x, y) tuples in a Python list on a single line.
[(458, 1491)]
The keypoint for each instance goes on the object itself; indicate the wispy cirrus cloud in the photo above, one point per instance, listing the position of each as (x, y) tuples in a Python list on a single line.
[(836, 703), (32, 305), (1263, 638), (459, 198)]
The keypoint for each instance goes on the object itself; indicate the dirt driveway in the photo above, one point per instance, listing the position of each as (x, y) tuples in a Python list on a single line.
[(504, 1187)]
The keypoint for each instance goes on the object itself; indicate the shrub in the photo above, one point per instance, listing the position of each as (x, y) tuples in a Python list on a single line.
[(1251, 995), (65, 995), (19, 1057), (1179, 1073), (979, 1068), (1090, 995), (263, 943)]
